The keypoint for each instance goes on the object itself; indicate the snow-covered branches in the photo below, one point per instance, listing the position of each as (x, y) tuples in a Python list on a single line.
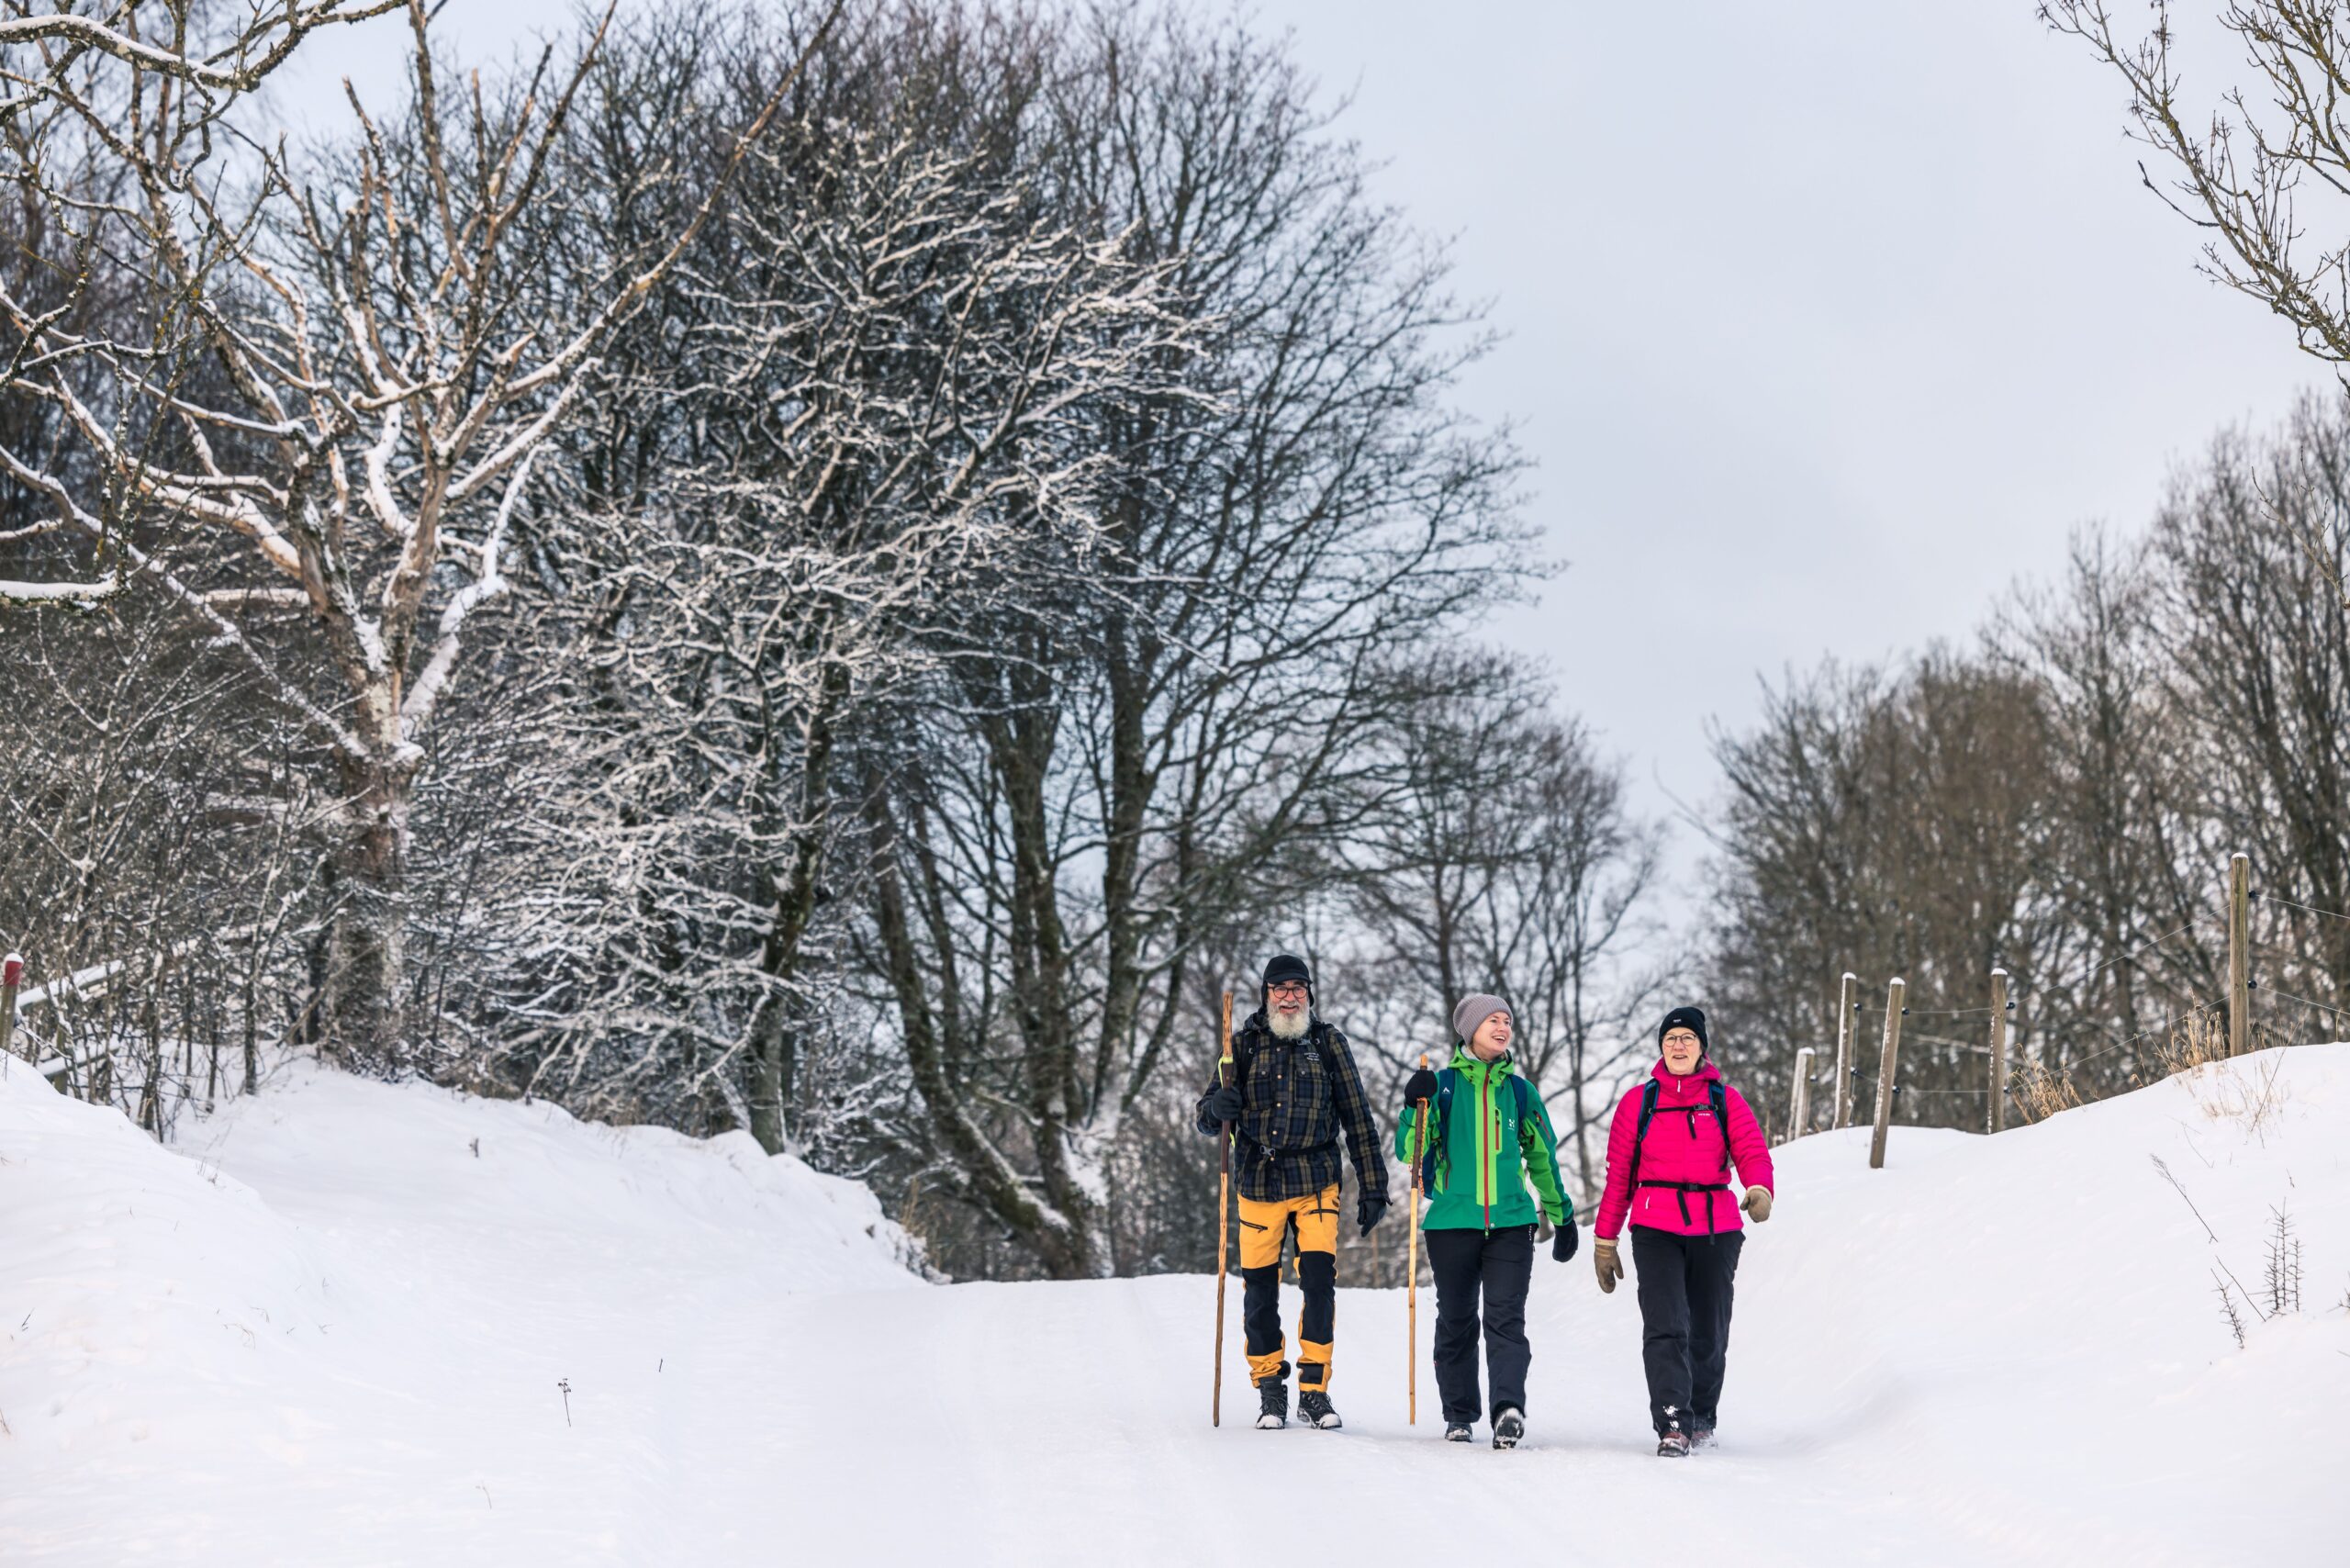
[(339, 386), (900, 367), (215, 51)]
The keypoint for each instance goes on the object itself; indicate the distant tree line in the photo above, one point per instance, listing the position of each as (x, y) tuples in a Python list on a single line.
[(2061, 799)]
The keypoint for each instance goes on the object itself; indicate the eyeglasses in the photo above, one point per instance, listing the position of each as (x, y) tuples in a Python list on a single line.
[(1680, 1037), (1288, 991)]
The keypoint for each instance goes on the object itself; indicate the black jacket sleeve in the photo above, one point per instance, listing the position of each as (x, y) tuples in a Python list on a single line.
[(1354, 1115)]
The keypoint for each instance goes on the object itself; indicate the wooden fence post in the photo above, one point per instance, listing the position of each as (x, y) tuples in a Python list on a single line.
[(2239, 955), (1885, 1061), (1998, 1089), (12, 974), (1800, 1123), (1847, 1014)]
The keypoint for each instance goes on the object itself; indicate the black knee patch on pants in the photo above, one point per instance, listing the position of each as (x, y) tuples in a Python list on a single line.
[(1260, 1309), (1317, 1276)]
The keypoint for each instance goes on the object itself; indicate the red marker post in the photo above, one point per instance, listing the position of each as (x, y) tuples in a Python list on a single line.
[(12, 974)]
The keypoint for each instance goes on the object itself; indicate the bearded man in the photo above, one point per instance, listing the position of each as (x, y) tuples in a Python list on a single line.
[(1294, 1093)]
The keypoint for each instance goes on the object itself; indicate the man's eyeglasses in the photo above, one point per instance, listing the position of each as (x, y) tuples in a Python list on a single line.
[(1288, 991)]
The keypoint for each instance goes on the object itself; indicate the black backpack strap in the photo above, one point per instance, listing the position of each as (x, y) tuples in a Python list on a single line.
[(1718, 1093), (1640, 1136), (1439, 1112)]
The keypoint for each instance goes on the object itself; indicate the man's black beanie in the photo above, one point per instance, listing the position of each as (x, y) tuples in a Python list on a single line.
[(1690, 1018), (1285, 967)]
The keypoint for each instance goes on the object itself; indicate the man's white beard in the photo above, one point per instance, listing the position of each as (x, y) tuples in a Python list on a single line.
[(1289, 1025)]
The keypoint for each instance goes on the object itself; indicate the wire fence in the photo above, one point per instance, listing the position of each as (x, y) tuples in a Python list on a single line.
[(2035, 1081)]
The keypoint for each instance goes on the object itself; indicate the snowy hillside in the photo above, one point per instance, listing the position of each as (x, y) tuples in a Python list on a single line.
[(335, 1326)]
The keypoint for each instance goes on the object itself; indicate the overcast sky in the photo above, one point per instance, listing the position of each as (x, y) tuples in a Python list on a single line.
[(1826, 322)]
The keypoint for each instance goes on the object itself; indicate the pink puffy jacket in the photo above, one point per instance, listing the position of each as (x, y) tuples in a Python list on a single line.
[(1683, 1145)]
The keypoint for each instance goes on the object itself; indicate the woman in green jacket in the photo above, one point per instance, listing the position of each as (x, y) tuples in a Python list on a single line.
[(1487, 1132)]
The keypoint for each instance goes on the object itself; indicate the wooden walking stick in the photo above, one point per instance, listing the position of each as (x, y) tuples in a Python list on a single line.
[(1411, 1264), (1223, 1221)]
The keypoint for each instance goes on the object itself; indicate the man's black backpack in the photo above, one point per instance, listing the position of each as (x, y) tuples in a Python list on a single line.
[(1718, 1099), (1445, 1082)]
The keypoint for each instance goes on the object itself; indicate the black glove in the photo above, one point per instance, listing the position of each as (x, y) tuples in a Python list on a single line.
[(1420, 1086), (1368, 1209), (1223, 1105), (1567, 1238)]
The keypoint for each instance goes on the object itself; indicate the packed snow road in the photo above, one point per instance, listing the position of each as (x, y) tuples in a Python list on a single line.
[(353, 1324)]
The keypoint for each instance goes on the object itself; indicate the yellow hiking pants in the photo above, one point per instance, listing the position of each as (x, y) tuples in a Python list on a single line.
[(1262, 1226)]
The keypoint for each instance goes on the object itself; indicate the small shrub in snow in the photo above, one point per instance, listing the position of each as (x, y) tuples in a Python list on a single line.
[(2228, 1308), (2284, 1274)]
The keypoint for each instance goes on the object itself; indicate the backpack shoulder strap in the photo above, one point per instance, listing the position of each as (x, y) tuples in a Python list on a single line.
[(1640, 1134), (1432, 1151), (1717, 1092)]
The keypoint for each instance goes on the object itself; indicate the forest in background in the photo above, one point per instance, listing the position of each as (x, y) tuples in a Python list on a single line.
[(843, 571)]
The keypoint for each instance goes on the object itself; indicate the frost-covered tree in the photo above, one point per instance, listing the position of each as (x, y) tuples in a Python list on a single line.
[(898, 363), (1107, 781), (337, 510)]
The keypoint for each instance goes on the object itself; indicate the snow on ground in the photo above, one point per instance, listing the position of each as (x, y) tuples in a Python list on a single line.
[(332, 1327)]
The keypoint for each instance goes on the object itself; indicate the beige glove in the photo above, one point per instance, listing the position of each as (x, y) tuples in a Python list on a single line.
[(1603, 1258), (1758, 1204)]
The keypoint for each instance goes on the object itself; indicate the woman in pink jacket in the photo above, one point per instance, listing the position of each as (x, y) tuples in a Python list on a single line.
[(1670, 1151)]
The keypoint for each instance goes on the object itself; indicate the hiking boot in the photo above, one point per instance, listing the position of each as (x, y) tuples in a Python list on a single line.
[(1703, 1440), (1272, 1403), (1508, 1426), (1314, 1410), (1672, 1445), (1457, 1432)]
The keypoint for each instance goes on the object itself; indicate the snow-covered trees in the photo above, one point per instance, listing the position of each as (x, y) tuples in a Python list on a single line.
[(898, 366), (1172, 746), (856, 627), (337, 499)]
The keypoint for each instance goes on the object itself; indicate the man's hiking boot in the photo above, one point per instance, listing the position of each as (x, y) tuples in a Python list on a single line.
[(1314, 1410), (1672, 1445), (1508, 1426), (1458, 1432), (1272, 1403)]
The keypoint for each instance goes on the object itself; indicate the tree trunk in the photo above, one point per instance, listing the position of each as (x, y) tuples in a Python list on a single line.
[(795, 910), (1064, 1246), (364, 1022)]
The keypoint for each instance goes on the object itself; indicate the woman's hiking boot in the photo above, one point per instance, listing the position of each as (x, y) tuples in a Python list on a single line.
[(1508, 1426), (1672, 1445), (1314, 1410), (1703, 1440), (1272, 1403)]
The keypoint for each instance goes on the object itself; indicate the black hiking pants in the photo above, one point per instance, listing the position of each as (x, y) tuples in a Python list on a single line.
[(1685, 1284), (1497, 1265)]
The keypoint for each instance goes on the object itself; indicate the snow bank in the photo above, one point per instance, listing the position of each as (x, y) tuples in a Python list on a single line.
[(356, 1323), (352, 1349)]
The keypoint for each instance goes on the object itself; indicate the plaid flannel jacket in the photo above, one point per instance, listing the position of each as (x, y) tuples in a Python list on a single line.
[(1298, 1098)]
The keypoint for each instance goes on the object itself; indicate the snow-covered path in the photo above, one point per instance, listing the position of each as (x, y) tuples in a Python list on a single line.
[(347, 1350)]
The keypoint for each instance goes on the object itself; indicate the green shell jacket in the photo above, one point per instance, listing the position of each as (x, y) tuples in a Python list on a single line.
[(1486, 1151)]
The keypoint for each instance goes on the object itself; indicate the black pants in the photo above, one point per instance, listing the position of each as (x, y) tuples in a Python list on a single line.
[(1499, 1264), (1684, 1314), (1261, 1317)]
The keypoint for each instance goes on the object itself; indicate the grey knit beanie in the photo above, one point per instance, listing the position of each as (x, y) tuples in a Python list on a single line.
[(1474, 1011)]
